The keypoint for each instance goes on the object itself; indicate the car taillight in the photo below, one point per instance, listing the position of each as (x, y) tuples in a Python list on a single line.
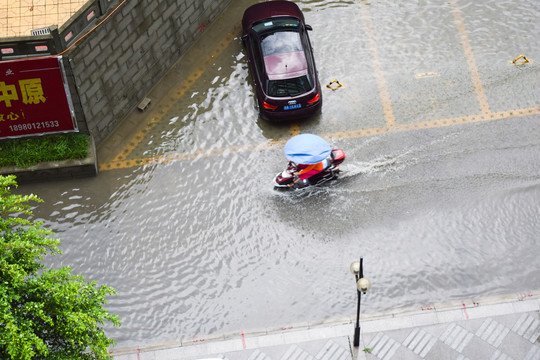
[(268, 106), (315, 99)]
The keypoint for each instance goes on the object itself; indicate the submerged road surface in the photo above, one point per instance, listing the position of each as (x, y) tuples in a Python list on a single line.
[(440, 194)]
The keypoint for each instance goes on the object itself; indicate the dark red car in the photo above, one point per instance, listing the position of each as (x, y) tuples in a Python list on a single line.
[(281, 60)]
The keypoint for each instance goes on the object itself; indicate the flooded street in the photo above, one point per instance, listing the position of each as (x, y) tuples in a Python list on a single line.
[(440, 194)]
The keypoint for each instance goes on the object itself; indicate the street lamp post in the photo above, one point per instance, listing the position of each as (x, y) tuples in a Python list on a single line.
[(362, 286)]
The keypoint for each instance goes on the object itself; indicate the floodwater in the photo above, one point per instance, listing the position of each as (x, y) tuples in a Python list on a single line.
[(440, 193)]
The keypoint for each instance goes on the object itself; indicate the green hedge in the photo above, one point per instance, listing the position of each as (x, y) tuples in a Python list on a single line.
[(25, 152)]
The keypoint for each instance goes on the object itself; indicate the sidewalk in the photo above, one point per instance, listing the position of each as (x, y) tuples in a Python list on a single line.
[(501, 327)]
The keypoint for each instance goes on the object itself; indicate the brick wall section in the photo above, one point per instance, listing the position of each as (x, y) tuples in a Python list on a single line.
[(118, 63)]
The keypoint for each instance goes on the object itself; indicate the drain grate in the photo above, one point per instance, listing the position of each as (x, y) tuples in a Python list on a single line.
[(42, 31)]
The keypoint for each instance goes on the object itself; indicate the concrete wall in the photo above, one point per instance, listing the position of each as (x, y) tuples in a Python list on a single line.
[(115, 65)]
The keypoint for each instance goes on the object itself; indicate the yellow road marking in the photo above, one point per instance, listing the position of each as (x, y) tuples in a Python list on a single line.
[(471, 62), (124, 164), (430, 124), (295, 129), (379, 76)]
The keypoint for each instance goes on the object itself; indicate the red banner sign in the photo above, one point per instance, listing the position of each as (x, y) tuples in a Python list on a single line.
[(34, 98)]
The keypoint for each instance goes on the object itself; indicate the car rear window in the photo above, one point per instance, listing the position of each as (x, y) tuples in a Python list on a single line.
[(281, 42), (289, 87)]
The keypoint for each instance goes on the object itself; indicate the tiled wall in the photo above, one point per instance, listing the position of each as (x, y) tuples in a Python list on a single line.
[(118, 63)]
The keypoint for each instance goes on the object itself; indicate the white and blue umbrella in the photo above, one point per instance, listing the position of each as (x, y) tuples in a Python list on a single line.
[(307, 149)]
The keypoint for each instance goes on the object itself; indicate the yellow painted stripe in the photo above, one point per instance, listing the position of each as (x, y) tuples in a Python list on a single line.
[(295, 129), (471, 62), (468, 119), (377, 66)]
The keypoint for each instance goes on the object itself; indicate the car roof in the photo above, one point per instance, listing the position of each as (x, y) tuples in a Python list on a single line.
[(285, 65), (269, 9)]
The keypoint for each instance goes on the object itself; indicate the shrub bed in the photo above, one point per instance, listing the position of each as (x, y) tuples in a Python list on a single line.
[(25, 152)]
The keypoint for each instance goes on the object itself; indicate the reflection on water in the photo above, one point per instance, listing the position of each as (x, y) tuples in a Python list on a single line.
[(198, 248)]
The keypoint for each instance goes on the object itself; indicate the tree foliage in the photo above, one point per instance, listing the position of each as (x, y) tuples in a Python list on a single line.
[(44, 313)]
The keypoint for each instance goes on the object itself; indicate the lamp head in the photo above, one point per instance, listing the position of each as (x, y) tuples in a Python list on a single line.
[(355, 267), (363, 285)]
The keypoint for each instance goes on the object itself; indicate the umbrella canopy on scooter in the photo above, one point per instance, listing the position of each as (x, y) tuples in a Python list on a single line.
[(307, 149)]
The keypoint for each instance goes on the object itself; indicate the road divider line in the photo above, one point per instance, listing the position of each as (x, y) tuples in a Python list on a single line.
[(388, 110), (175, 157), (352, 134), (469, 56), (295, 129)]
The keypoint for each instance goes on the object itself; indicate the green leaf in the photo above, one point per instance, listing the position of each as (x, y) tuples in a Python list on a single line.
[(44, 313)]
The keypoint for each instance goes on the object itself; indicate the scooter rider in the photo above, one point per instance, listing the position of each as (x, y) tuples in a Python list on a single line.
[(306, 171)]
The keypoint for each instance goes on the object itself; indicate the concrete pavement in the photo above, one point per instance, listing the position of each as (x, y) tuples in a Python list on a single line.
[(494, 328)]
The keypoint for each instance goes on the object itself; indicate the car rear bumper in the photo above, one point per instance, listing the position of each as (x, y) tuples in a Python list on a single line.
[(287, 115)]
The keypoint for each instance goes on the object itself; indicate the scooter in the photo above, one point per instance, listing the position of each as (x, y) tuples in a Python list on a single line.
[(285, 179)]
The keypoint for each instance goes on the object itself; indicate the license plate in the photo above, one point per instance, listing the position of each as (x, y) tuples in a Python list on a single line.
[(290, 107)]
